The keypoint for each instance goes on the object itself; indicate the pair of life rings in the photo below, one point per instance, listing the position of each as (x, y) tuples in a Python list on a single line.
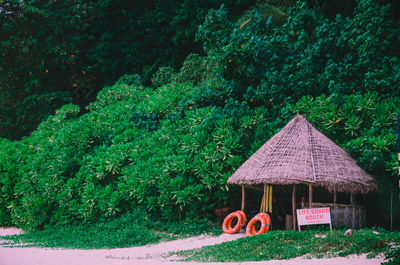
[(227, 225), (263, 218)]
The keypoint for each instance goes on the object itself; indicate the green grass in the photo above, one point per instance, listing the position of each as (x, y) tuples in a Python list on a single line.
[(393, 257), (129, 230), (137, 229), (291, 244)]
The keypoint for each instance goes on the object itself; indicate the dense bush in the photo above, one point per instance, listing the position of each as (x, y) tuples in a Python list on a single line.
[(53, 184), (135, 148), (12, 159)]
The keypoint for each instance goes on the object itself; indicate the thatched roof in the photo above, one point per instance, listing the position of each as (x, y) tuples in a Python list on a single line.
[(299, 153)]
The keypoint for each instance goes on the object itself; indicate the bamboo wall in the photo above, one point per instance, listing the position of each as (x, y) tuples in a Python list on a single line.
[(348, 216)]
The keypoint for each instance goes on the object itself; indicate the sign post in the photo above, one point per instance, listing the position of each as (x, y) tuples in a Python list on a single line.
[(314, 216)]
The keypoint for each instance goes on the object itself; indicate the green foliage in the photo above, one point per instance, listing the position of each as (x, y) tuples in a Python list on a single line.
[(127, 231), (392, 256), (196, 69), (291, 244), (215, 29), (170, 149), (84, 46), (134, 148), (128, 87), (312, 55), (365, 125), (12, 157), (53, 185), (162, 77)]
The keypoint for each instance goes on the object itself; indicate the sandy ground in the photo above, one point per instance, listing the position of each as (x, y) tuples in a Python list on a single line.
[(150, 254)]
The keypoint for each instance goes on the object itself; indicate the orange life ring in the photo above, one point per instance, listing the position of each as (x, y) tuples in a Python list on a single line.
[(227, 225), (244, 218), (265, 224)]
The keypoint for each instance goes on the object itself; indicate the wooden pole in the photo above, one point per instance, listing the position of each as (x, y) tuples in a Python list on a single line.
[(270, 199), (294, 206), (309, 195), (243, 198), (265, 198), (353, 212), (334, 196)]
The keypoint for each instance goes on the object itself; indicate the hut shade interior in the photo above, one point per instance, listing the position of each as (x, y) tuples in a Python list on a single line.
[(299, 153)]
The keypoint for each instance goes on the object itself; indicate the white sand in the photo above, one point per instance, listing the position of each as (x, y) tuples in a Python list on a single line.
[(150, 254)]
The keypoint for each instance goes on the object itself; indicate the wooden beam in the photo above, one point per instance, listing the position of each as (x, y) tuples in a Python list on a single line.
[(351, 199), (254, 187), (294, 206), (320, 204), (243, 198), (310, 195)]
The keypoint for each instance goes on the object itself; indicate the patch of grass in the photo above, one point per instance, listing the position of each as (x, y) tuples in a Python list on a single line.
[(189, 227), (392, 256), (291, 244), (135, 229)]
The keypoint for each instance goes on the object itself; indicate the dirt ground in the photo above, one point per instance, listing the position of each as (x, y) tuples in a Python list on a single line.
[(150, 254)]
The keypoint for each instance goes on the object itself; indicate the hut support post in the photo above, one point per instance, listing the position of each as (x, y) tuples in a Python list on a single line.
[(310, 195), (352, 206), (334, 196), (243, 198), (265, 199), (294, 206)]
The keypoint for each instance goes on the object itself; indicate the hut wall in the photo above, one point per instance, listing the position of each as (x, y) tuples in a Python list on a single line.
[(348, 216)]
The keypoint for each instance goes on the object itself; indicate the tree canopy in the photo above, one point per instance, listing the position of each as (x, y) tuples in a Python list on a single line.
[(57, 52)]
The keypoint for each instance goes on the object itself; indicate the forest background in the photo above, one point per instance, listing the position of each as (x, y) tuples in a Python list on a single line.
[(109, 106)]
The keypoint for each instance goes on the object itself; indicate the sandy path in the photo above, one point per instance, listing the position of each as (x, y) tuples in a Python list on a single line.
[(150, 254)]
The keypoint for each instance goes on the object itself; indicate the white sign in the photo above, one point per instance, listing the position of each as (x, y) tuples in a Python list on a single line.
[(314, 216)]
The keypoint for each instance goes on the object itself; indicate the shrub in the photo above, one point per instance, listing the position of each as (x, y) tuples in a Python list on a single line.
[(12, 162), (163, 76), (197, 69)]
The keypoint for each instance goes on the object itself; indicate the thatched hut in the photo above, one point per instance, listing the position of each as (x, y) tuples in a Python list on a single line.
[(300, 154)]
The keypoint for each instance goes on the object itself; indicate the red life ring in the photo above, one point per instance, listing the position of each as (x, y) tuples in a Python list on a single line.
[(265, 224), (227, 225)]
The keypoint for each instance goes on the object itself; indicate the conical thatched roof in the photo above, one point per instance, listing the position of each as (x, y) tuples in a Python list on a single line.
[(299, 153)]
